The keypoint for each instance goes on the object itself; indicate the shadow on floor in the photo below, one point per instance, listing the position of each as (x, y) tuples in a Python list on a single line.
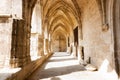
[(4, 76), (55, 78), (59, 71), (61, 54), (58, 60)]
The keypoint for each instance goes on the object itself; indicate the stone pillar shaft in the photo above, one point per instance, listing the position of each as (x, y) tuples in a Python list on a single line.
[(19, 44), (41, 46), (46, 46)]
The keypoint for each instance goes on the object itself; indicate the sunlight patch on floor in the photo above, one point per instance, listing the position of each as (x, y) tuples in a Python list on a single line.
[(7, 72), (61, 61)]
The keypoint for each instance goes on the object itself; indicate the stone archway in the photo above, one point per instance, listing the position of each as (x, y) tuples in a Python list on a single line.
[(36, 31), (59, 41)]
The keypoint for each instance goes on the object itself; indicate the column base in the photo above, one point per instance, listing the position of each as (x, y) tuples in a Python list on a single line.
[(74, 53), (19, 62)]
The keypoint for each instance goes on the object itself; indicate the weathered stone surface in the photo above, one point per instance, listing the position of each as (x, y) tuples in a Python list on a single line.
[(27, 70), (90, 67), (92, 27), (5, 41)]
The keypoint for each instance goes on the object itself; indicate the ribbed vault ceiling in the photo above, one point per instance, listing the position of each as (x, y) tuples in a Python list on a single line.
[(64, 13), (61, 16)]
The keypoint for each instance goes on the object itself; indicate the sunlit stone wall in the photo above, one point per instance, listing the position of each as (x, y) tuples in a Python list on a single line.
[(5, 41)]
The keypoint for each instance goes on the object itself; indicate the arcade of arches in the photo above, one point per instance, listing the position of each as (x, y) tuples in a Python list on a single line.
[(32, 30)]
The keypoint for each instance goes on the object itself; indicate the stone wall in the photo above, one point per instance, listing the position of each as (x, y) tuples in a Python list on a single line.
[(59, 44), (5, 41), (5, 7), (96, 42), (5, 32)]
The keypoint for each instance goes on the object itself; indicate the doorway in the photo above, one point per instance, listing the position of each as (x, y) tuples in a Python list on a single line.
[(76, 36), (76, 40)]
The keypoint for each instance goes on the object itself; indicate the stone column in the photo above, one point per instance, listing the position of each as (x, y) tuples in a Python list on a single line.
[(74, 53), (20, 53), (41, 45), (50, 42), (80, 55), (19, 44), (13, 46), (74, 50), (27, 36), (46, 38), (49, 48), (68, 46), (46, 46), (69, 49), (80, 45)]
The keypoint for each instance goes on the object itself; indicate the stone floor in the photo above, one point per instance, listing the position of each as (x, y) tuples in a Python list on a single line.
[(7, 72), (62, 66)]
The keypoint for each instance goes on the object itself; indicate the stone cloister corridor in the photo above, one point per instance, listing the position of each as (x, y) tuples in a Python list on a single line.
[(59, 39), (59, 67)]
